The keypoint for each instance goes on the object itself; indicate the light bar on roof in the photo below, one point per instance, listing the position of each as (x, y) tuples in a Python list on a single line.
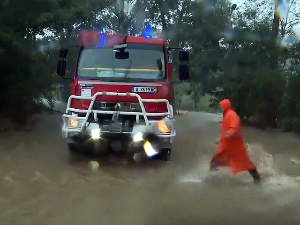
[(148, 32), (99, 39)]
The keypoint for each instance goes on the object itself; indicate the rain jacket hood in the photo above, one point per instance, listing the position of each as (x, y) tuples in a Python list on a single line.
[(225, 104)]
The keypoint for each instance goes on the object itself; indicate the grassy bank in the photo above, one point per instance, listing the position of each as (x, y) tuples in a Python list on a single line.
[(202, 105)]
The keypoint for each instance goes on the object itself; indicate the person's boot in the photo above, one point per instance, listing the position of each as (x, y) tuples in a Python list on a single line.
[(256, 176), (213, 168)]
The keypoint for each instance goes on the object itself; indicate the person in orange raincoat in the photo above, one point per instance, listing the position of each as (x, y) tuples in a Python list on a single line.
[(232, 151)]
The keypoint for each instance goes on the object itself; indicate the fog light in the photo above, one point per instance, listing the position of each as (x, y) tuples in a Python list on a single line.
[(163, 127), (73, 123), (95, 133)]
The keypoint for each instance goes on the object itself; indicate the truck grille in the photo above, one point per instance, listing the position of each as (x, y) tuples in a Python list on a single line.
[(125, 106), (115, 127)]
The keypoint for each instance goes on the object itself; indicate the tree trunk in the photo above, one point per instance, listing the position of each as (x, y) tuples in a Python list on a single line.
[(275, 31), (122, 19)]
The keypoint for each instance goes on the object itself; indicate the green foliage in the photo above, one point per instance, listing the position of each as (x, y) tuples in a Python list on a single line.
[(225, 63), (66, 91), (28, 74)]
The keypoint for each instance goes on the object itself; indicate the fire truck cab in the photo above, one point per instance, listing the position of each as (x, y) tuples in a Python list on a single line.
[(122, 89)]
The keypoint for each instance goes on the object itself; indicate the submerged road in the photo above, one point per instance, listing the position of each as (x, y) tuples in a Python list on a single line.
[(41, 184)]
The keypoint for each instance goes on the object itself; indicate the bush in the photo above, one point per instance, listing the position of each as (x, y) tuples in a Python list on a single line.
[(203, 104), (65, 94), (23, 78), (290, 125)]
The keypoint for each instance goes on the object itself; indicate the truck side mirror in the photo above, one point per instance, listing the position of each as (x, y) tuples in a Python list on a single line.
[(63, 53), (183, 56), (61, 67), (122, 55), (184, 72), (120, 51)]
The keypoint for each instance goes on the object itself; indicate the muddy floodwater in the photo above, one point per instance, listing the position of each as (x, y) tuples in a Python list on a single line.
[(42, 185)]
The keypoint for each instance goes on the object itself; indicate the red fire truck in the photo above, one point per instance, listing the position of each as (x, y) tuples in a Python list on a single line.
[(122, 94)]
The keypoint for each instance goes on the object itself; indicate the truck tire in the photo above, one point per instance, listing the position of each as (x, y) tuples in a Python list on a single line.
[(73, 148), (166, 154)]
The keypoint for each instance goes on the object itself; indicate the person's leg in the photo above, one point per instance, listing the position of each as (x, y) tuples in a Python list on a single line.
[(219, 160), (256, 176), (214, 165)]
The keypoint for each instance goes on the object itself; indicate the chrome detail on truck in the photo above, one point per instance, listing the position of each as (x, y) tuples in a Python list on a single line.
[(73, 121), (126, 106)]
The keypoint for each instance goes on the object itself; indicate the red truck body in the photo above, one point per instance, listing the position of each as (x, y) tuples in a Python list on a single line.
[(137, 68), (88, 86)]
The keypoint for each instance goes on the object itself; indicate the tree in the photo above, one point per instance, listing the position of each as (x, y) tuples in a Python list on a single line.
[(26, 73), (202, 30)]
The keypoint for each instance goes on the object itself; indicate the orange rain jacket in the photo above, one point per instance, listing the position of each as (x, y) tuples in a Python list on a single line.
[(232, 151)]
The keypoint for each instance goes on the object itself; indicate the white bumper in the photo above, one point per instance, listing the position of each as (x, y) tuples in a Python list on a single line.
[(85, 127)]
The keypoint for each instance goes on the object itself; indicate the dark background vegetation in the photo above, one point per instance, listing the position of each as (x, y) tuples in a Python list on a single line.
[(247, 54)]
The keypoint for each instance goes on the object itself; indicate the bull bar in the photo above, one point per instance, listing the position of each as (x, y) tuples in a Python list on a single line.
[(83, 120)]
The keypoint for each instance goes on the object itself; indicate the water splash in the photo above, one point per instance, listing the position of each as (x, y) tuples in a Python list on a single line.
[(201, 173), (264, 161), (274, 179)]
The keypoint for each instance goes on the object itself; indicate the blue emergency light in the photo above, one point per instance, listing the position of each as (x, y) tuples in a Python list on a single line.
[(102, 38), (102, 41), (148, 32)]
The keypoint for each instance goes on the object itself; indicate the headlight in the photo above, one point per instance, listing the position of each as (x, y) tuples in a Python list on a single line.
[(95, 133), (138, 137), (74, 123)]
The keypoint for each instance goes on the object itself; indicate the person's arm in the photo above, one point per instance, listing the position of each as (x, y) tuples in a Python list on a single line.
[(234, 125)]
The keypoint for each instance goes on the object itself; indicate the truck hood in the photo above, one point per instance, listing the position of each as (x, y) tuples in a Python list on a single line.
[(146, 90)]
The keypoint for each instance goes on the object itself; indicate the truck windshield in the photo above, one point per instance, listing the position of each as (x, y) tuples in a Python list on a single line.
[(146, 62)]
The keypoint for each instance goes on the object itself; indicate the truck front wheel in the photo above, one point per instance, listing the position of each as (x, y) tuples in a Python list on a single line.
[(166, 154), (73, 148)]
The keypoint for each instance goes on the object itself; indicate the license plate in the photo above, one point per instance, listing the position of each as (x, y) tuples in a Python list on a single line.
[(116, 127), (144, 89)]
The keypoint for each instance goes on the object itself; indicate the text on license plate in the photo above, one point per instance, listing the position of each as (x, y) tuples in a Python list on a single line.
[(144, 89)]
